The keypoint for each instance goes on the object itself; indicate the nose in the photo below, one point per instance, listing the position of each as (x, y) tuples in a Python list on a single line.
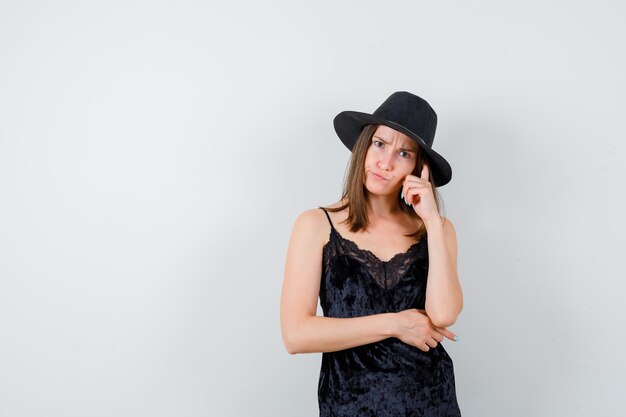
[(385, 160)]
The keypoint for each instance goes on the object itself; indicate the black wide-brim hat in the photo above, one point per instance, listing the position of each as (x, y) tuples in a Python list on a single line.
[(406, 113)]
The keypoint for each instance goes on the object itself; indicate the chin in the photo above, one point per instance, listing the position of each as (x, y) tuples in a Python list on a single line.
[(379, 190)]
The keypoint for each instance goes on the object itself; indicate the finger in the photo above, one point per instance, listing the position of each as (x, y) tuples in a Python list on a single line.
[(409, 194), (404, 191), (413, 182), (432, 343), (412, 185), (405, 198), (413, 196), (415, 191), (447, 333), (438, 337), (422, 185), (411, 177), (424, 175)]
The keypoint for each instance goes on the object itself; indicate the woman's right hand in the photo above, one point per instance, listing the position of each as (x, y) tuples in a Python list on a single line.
[(415, 328)]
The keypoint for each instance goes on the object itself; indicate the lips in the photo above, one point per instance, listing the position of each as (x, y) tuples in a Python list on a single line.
[(378, 176)]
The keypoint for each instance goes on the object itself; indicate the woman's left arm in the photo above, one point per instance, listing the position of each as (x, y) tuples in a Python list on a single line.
[(444, 297)]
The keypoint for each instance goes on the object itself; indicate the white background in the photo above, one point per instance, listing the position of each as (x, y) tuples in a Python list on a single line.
[(154, 155)]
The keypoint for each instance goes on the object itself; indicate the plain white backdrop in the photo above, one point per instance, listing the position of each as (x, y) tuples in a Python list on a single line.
[(154, 156)]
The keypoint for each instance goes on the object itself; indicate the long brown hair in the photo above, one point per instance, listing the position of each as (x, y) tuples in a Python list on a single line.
[(355, 195)]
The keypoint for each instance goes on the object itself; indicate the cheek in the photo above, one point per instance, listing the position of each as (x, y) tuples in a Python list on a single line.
[(408, 167), (369, 156)]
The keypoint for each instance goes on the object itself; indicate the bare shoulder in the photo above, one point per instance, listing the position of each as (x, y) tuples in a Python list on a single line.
[(448, 227), (340, 216), (447, 223), (310, 220), (311, 226)]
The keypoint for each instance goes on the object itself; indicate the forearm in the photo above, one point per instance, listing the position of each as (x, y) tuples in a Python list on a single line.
[(444, 297), (329, 334)]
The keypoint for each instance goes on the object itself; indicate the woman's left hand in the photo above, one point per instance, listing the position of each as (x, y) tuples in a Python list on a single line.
[(418, 192)]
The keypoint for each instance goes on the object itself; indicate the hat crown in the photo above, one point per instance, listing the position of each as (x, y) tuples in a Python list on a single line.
[(411, 112)]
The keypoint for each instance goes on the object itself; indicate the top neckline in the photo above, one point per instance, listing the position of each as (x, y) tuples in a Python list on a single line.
[(369, 252)]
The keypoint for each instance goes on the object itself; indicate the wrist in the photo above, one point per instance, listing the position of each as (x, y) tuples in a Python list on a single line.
[(433, 221), (391, 325)]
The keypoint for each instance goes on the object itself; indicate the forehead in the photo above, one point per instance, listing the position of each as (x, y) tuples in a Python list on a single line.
[(393, 136)]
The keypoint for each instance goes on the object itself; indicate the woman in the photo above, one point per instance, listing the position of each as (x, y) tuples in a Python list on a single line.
[(383, 262)]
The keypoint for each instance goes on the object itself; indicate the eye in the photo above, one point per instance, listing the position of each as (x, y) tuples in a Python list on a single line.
[(376, 142), (405, 154)]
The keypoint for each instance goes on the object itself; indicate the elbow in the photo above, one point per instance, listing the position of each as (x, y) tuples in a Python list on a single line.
[(443, 318), (290, 343), (291, 348), (296, 336), (443, 321)]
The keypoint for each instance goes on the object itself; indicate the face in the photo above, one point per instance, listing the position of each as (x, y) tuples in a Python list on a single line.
[(390, 157)]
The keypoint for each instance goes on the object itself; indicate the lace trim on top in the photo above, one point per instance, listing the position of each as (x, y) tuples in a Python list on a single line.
[(385, 273)]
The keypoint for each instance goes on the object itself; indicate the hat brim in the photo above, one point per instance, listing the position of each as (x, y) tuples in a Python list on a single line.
[(349, 124)]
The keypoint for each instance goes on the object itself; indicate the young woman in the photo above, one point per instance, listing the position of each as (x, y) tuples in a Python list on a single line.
[(383, 262)]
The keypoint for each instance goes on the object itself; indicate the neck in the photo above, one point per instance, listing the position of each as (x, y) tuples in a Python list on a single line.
[(382, 205)]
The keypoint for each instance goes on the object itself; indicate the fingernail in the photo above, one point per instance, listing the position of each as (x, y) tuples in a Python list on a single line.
[(456, 338)]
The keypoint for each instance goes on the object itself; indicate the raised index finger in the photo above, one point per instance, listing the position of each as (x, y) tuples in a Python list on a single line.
[(424, 174)]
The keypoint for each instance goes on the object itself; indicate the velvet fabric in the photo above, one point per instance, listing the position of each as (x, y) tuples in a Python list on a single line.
[(389, 377)]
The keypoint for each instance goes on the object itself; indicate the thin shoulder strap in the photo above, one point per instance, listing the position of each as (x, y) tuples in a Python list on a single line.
[(328, 217)]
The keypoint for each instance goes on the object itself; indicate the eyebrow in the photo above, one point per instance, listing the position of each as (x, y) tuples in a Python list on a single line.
[(402, 149)]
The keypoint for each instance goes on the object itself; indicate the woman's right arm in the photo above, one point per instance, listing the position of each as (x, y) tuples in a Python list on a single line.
[(304, 332)]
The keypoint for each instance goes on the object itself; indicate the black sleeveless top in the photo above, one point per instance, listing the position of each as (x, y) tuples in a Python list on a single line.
[(389, 377)]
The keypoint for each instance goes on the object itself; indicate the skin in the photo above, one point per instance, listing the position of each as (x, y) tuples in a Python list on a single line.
[(388, 165)]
